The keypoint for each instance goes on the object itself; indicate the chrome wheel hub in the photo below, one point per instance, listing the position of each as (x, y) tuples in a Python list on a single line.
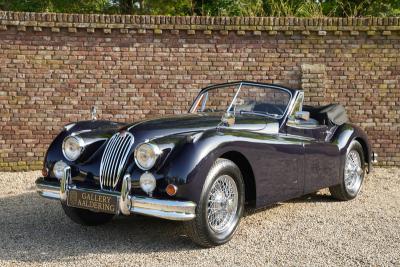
[(222, 204), (353, 172)]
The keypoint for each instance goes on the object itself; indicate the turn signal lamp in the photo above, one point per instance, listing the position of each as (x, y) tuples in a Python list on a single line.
[(171, 190), (45, 172)]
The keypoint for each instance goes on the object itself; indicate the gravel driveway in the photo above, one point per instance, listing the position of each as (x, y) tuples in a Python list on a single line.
[(312, 230)]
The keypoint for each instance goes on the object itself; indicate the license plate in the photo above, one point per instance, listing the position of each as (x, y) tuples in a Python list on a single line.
[(93, 201)]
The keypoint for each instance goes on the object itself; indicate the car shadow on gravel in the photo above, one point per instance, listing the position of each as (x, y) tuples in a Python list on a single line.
[(309, 198), (37, 230), (313, 197)]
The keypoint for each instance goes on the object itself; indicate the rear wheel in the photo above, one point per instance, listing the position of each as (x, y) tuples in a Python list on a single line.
[(353, 176), (221, 206), (86, 217)]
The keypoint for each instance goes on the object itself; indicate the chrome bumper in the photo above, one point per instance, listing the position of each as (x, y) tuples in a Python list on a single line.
[(374, 157), (128, 204)]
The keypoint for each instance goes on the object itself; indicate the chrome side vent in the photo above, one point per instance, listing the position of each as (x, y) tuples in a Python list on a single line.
[(114, 159)]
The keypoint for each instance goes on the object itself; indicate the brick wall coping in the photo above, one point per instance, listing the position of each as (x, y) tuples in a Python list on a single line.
[(193, 24)]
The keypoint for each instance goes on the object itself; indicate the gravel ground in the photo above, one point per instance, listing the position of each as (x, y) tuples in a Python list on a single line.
[(313, 230)]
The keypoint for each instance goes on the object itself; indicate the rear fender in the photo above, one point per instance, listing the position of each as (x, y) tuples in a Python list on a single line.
[(343, 137)]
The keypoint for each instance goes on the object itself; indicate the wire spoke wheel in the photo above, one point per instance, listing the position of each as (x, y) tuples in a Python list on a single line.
[(220, 207), (222, 203), (353, 172)]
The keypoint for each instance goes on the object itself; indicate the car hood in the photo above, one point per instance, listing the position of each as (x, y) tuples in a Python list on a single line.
[(178, 124), (96, 133), (159, 127)]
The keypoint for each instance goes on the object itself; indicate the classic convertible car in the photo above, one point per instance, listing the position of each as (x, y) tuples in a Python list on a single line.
[(240, 143)]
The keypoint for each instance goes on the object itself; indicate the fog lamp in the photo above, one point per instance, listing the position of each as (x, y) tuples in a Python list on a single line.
[(147, 183), (58, 169)]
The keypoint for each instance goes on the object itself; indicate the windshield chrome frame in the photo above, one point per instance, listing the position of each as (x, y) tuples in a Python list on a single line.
[(234, 98), (240, 84)]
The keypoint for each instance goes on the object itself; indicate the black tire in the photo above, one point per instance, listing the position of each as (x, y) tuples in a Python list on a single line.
[(87, 217), (340, 191), (199, 229)]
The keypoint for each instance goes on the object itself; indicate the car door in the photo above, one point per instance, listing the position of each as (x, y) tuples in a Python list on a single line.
[(321, 157), (277, 159), (283, 163)]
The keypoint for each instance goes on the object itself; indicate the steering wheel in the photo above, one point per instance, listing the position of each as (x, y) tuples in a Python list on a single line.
[(276, 109)]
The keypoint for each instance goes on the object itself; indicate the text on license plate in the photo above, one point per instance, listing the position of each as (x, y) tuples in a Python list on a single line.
[(92, 201)]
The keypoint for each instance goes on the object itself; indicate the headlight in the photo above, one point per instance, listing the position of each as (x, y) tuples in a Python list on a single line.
[(147, 182), (146, 155), (58, 169), (73, 147)]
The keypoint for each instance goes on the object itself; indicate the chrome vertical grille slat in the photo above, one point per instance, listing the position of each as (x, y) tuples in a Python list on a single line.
[(114, 159), (106, 158), (109, 154), (121, 156), (118, 157), (124, 157), (105, 161)]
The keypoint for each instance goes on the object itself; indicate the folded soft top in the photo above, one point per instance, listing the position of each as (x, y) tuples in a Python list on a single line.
[(332, 113)]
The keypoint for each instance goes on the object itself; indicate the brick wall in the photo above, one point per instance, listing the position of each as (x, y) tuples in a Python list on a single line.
[(54, 67)]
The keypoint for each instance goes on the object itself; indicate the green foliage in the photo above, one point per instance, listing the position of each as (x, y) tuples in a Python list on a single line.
[(63, 6), (228, 7), (291, 8), (304, 8), (167, 7), (151, 7), (357, 8)]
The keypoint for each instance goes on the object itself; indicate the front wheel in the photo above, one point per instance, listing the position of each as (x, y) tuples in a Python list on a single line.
[(353, 176), (221, 205)]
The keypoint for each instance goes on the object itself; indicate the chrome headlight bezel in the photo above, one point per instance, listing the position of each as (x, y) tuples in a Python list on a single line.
[(154, 153), (79, 142)]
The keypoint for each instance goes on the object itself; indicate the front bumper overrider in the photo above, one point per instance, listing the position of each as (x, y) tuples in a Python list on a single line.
[(127, 203)]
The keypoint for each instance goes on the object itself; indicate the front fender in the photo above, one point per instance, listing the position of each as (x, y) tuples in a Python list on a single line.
[(87, 130), (188, 166)]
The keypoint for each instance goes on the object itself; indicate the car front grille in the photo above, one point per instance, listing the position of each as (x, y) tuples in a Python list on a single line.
[(114, 159)]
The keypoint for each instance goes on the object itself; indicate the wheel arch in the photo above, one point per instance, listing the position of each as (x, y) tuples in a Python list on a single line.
[(347, 133), (247, 171), (366, 151)]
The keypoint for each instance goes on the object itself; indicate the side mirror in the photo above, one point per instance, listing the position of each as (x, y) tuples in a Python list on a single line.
[(302, 115), (228, 119), (93, 113)]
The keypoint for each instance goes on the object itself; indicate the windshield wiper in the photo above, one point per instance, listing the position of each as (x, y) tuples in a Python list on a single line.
[(208, 110), (275, 116)]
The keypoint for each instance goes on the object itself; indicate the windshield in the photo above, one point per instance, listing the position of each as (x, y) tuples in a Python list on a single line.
[(244, 98)]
